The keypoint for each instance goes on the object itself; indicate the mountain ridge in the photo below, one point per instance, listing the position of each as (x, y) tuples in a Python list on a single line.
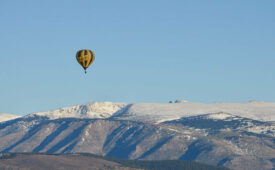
[(159, 112)]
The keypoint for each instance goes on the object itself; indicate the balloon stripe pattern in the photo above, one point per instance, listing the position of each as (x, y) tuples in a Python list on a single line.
[(85, 58)]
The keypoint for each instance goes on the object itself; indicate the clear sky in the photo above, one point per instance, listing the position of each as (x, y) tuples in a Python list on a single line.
[(146, 51)]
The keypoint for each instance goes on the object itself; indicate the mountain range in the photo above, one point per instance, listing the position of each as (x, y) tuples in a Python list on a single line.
[(233, 135)]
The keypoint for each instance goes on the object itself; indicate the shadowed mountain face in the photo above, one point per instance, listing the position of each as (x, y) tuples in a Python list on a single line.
[(231, 141)]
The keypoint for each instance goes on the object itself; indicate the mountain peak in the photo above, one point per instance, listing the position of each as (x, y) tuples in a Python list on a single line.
[(89, 110)]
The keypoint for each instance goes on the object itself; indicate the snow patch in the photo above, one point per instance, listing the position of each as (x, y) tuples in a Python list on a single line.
[(6, 117), (219, 116)]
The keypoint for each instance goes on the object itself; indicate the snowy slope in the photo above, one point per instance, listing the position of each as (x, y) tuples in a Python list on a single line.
[(91, 110), (5, 117), (158, 112)]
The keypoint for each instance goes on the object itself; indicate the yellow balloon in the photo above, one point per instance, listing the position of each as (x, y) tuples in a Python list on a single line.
[(85, 58)]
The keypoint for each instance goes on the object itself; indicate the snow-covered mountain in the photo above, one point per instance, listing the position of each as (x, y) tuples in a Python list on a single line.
[(234, 135), (6, 117), (159, 112)]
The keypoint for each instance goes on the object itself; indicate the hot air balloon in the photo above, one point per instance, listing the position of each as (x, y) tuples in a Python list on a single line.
[(85, 58)]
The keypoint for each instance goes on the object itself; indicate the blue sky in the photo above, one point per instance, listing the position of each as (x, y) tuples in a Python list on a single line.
[(146, 51)]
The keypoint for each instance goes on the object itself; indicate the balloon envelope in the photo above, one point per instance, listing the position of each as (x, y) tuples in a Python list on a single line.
[(85, 58)]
